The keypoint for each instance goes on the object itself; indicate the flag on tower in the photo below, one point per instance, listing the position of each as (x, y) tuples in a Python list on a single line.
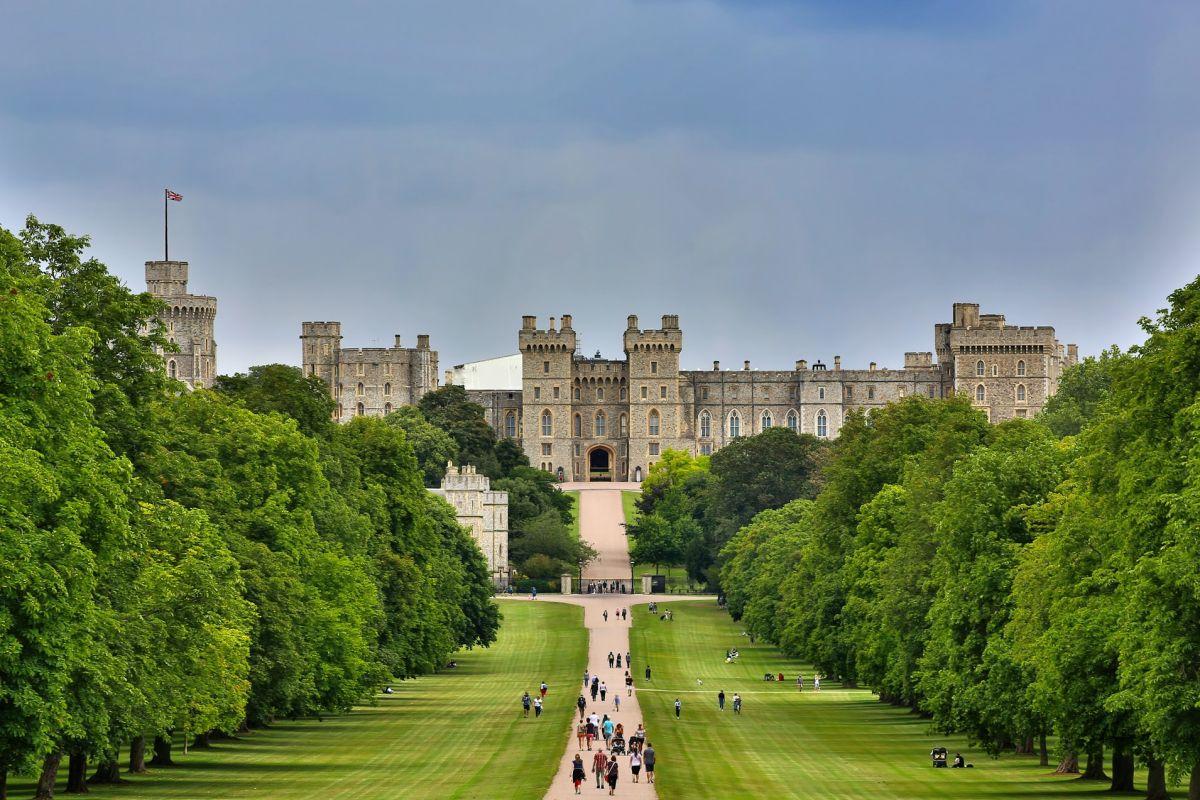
[(173, 195)]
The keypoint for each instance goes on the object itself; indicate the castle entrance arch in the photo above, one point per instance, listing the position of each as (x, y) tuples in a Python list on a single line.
[(600, 463)]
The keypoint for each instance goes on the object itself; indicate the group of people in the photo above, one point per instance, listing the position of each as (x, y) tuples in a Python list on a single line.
[(737, 702), (592, 727), (607, 769), (535, 702), (618, 613), (606, 587), (616, 658)]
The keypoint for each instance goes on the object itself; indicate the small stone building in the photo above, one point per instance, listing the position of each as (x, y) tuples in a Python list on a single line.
[(482, 511), (188, 320)]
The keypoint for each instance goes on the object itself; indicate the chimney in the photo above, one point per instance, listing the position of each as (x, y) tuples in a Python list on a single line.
[(716, 366), (872, 367), (397, 345), (528, 323), (1072, 354), (631, 323), (566, 322), (837, 362), (423, 341), (802, 364), (670, 322), (551, 328), (746, 364)]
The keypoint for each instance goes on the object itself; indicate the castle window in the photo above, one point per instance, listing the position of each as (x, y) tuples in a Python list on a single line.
[(704, 393), (537, 393), (547, 423), (599, 392), (654, 448), (577, 449), (325, 349), (662, 392), (653, 367), (555, 392), (1022, 413), (932, 391), (624, 425), (387, 408), (706, 449), (705, 425), (822, 424), (870, 392), (765, 421), (510, 425), (622, 392), (652, 423), (546, 367), (339, 411), (600, 424), (735, 425), (995, 370), (171, 368), (387, 390), (547, 448), (360, 409), (1020, 369), (578, 423), (312, 348), (360, 368), (979, 369), (980, 393), (1020, 393), (576, 395), (821, 393), (793, 422), (387, 368), (359, 390), (903, 390), (849, 392), (645, 393)]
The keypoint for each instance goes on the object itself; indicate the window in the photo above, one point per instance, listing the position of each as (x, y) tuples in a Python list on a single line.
[(172, 370), (622, 392), (705, 425), (822, 424), (793, 422), (980, 393), (654, 448), (510, 425), (652, 423), (624, 425), (576, 392), (359, 390), (1020, 393), (706, 449), (600, 424), (577, 449), (870, 392), (599, 392), (735, 425), (644, 393), (578, 423), (662, 392), (653, 367), (555, 392), (339, 411), (359, 408), (849, 392), (546, 367), (903, 390), (995, 370), (547, 423), (704, 393), (547, 449), (1020, 369), (1021, 413), (979, 369), (387, 408), (537, 393), (387, 368), (387, 390), (360, 369), (765, 421), (821, 393), (932, 389), (325, 349)]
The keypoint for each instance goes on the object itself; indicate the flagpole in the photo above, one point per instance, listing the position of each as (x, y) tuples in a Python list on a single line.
[(166, 247)]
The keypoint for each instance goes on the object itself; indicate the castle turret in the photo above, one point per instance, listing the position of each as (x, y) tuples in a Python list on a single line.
[(654, 401), (547, 357), (188, 320)]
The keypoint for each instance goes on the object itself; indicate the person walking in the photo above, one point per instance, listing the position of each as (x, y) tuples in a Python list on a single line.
[(581, 733), (647, 673), (603, 690), (607, 729), (616, 703), (591, 733), (635, 764), (587, 678), (628, 684), (618, 661), (577, 773), (624, 614), (599, 767), (525, 704), (537, 707), (606, 615), (581, 704), (678, 707), (545, 688), (721, 700), (628, 660), (737, 703), (611, 658), (800, 681), (533, 593), (613, 772), (595, 688), (816, 682), (648, 759)]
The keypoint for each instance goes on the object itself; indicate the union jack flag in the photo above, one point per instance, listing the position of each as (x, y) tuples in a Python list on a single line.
[(173, 195)]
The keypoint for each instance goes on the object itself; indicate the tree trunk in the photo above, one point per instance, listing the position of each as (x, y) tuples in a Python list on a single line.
[(107, 771), (137, 755), (162, 752), (1194, 785), (1095, 765), (1122, 767), (77, 772), (1025, 746), (1156, 779), (200, 741), (1069, 764), (1043, 753), (45, 784), (3, 783)]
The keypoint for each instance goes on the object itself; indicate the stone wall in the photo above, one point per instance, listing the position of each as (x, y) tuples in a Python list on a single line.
[(188, 320)]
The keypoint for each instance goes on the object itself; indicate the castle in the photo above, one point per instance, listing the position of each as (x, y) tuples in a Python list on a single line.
[(188, 322), (481, 510), (610, 419)]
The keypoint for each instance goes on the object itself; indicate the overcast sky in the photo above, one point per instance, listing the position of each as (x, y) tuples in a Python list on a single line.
[(793, 179)]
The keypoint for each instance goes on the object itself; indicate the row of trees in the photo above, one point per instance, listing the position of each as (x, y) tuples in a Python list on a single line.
[(1017, 582), (177, 563)]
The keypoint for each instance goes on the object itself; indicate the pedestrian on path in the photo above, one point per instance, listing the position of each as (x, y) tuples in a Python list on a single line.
[(591, 733), (618, 661), (587, 678), (647, 673), (537, 707), (580, 733), (616, 704), (603, 690), (581, 704), (737, 703), (635, 764), (525, 703), (611, 658), (595, 688), (624, 614), (545, 688), (800, 681), (628, 660), (606, 615), (607, 729), (577, 773), (628, 683), (721, 700), (533, 593), (648, 758), (678, 707), (599, 767), (816, 682), (613, 772)]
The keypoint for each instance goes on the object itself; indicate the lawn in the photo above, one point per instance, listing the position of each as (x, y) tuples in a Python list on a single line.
[(458, 734), (574, 526), (836, 744), (628, 498)]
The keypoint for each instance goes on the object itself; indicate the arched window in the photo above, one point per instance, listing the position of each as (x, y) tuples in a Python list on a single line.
[(510, 425), (793, 422), (995, 370), (387, 390), (980, 393), (622, 392), (821, 393), (339, 411), (387, 408), (578, 423), (547, 423), (359, 390), (576, 392), (599, 392), (705, 425), (735, 425), (359, 409), (979, 368), (624, 425), (1020, 369), (1020, 393), (765, 421), (822, 424), (600, 424), (172, 370), (652, 423)]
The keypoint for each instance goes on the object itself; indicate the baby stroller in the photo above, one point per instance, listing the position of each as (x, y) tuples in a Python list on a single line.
[(618, 745), (939, 757)]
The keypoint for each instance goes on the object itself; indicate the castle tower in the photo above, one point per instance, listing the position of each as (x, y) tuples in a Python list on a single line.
[(188, 320), (547, 360), (654, 388), (320, 348)]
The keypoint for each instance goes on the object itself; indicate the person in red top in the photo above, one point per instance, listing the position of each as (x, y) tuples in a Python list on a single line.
[(600, 766)]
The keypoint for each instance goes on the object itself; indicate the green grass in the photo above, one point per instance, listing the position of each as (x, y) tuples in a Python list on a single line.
[(574, 526), (836, 744), (677, 581), (458, 734), (628, 498)]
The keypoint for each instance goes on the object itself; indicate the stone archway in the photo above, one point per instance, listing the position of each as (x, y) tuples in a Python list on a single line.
[(601, 463)]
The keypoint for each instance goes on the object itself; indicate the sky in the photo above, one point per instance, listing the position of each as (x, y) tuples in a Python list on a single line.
[(793, 179)]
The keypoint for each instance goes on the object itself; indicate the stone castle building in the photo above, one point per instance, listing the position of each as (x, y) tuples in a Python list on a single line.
[(610, 419), (483, 512), (188, 320), (370, 381)]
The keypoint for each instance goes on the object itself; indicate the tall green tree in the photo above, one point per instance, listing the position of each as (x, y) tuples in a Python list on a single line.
[(450, 409), (286, 390)]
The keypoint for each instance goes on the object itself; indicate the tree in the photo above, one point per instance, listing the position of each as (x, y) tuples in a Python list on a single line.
[(655, 541), (1082, 390), (547, 543), (433, 447), (285, 390), (451, 410)]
